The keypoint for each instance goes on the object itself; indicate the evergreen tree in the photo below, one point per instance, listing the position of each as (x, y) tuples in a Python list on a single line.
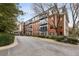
[(8, 16)]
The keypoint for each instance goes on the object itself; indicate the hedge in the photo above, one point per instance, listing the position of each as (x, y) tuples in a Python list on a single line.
[(57, 38), (64, 39), (72, 40), (6, 39)]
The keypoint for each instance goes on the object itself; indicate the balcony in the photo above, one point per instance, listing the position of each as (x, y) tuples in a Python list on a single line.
[(43, 29), (30, 26), (41, 17), (43, 22)]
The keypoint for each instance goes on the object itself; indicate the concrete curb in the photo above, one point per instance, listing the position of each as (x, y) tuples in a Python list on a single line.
[(9, 46)]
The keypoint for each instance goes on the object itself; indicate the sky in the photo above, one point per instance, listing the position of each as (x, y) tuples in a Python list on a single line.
[(29, 13)]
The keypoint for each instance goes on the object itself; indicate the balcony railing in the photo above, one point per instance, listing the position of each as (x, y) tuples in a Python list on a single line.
[(43, 29), (43, 24)]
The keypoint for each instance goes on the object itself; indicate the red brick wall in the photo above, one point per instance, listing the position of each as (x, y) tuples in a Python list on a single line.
[(35, 28), (52, 19), (50, 23)]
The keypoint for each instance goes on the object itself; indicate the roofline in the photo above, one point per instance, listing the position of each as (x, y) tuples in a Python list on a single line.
[(41, 13)]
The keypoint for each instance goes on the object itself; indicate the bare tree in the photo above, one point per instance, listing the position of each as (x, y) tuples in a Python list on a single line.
[(40, 7), (43, 8), (58, 23), (74, 7)]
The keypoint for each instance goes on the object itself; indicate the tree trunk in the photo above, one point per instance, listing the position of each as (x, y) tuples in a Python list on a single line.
[(56, 31), (73, 24)]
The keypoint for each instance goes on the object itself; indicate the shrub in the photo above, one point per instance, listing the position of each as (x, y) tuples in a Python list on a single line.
[(46, 36), (72, 40), (42, 36), (6, 39), (62, 39), (57, 38)]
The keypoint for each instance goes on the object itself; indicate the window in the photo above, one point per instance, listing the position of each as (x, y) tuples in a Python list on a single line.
[(43, 29), (30, 26), (61, 33), (51, 27)]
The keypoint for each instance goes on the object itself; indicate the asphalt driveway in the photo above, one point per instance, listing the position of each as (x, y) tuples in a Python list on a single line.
[(33, 46)]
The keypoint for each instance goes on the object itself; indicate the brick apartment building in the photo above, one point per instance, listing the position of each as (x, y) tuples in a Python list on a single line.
[(44, 25), (28, 27), (19, 29), (60, 30), (35, 27)]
